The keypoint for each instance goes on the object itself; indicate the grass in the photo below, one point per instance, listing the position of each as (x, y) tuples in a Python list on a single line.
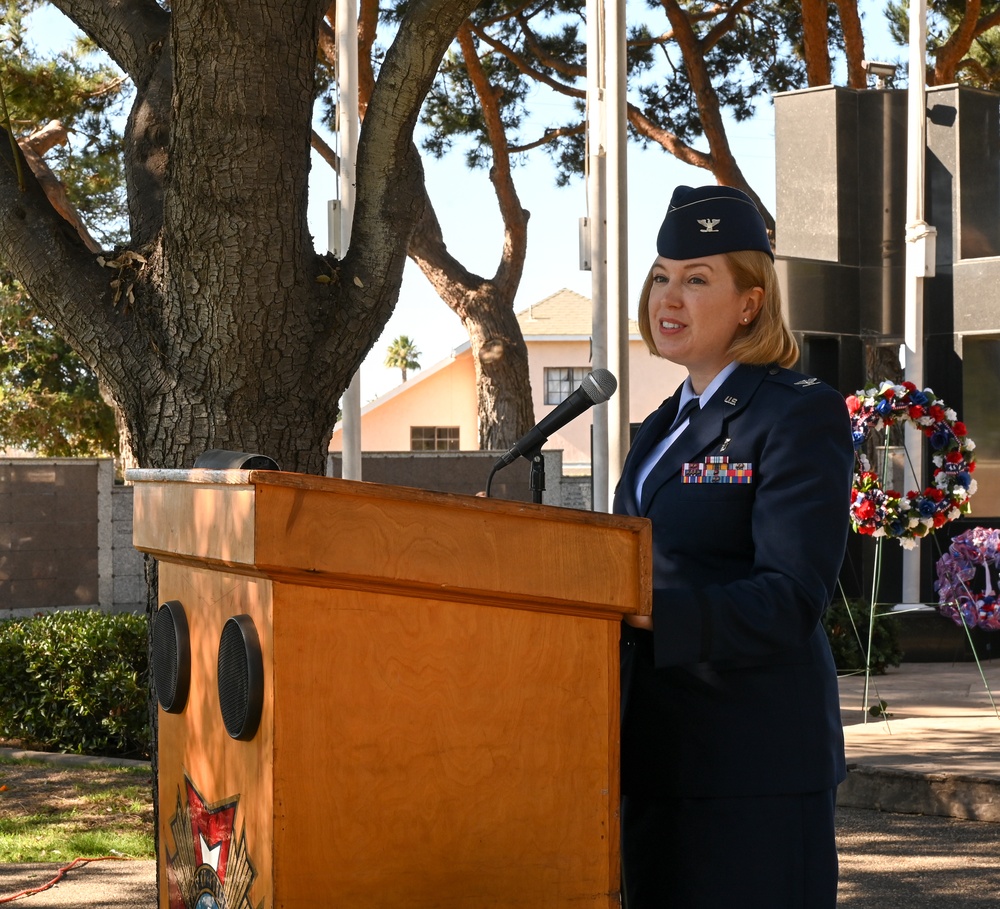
[(55, 813)]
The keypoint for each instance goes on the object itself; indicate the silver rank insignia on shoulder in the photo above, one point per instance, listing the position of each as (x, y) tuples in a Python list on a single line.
[(807, 382), (732, 400)]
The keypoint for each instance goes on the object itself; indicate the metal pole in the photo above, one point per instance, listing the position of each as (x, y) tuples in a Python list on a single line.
[(920, 253), (597, 212), (617, 243), (347, 124)]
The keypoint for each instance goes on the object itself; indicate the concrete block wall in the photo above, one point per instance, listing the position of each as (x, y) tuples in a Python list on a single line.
[(128, 572), (466, 472), (66, 538)]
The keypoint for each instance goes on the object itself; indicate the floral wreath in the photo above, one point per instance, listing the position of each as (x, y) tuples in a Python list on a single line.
[(879, 512), (955, 570)]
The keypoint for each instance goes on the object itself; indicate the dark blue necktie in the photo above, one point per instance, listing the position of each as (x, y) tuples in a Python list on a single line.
[(684, 413)]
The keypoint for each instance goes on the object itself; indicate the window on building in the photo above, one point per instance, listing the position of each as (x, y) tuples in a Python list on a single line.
[(434, 438), (562, 381)]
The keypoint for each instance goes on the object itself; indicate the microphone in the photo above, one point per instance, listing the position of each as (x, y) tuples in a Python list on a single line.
[(596, 388)]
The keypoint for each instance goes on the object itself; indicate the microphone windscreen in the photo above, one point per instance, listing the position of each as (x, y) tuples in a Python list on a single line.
[(599, 385)]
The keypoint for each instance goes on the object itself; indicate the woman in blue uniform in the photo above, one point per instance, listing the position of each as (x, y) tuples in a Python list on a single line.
[(732, 747)]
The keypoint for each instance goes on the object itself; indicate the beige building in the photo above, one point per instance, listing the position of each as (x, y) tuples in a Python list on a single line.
[(435, 410)]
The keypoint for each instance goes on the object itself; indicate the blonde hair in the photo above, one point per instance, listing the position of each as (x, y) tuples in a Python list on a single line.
[(767, 338)]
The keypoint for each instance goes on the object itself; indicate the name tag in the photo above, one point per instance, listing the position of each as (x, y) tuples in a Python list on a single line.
[(717, 470)]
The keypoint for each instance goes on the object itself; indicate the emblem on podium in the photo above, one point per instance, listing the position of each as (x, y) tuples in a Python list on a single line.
[(209, 868)]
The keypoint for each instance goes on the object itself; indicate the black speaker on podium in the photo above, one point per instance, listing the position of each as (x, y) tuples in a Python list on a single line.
[(171, 648), (241, 677)]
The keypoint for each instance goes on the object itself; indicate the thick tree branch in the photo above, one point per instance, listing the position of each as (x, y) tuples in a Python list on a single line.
[(67, 284), (668, 140), (556, 63), (390, 187), (815, 37), (515, 218), (988, 22), (367, 33), (136, 35), (427, 247), (451, 280), (854, 43), (950, 57), (131, 31), (147, 135), (721, 28), (322, 147), (950, 54), (33, 147), (561, 87), (550, 136), (46, 137), (724, 165)]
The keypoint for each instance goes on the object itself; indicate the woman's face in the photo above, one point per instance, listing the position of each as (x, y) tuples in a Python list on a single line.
[(695, 312)]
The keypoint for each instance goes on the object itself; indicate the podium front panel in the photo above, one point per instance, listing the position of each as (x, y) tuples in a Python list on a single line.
[(435, 754), (438, 694)]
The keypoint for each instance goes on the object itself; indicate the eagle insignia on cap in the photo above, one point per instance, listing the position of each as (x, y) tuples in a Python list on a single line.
[(708, 225)]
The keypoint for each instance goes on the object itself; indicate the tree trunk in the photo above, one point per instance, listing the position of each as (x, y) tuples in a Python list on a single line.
[(503, 391), (854, 43), (723, 162), (220, 326), (815, 34)]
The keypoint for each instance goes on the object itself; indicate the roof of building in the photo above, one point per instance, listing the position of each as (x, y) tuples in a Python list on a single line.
[(562, 314)]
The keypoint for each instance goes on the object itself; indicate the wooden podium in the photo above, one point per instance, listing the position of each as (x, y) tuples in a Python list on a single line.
[(439, 698)]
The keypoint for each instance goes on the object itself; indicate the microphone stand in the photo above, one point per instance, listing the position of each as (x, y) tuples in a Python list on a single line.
[(596, 388), (536, 481), (536, 477)]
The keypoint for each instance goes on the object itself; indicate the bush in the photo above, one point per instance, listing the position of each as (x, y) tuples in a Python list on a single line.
[(848, 652), (76, 681)]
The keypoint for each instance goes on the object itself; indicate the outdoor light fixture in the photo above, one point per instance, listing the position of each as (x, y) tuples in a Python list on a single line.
[(881, 71), (222, 459)]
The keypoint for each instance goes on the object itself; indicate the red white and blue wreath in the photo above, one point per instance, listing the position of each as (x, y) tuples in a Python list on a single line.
[(908, 517), (956, 569)]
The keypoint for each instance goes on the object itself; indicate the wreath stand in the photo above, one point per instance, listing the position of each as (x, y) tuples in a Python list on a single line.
[(888, 515)]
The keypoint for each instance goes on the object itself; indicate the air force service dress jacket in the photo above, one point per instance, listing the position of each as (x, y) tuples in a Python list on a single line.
[(735, 691)]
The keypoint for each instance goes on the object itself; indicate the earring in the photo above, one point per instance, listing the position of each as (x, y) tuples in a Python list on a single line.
[(745, 319)]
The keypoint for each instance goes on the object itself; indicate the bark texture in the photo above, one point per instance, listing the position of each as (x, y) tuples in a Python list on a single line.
[(219, 326)]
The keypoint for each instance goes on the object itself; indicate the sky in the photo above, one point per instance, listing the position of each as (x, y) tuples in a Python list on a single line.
[(472, 227)]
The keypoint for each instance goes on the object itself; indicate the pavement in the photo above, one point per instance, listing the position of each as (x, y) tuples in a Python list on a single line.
[(918, 817), (937, 751)]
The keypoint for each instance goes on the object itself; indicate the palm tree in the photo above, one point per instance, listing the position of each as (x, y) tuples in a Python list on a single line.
[(402, 354)]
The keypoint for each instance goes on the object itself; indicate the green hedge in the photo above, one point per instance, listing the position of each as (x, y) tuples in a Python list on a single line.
[(76, 681), (848, 652)]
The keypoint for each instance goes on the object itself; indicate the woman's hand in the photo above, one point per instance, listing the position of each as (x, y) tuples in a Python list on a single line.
[(640, 621)]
